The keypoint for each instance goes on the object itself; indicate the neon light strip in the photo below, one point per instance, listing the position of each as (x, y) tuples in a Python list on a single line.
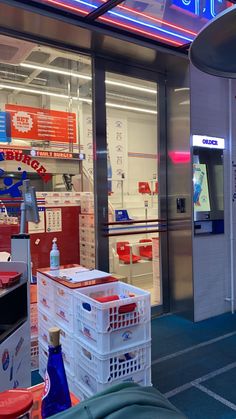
[(76, 9), (146, 16), (165, 31), (67, 6), (178, 44), (164, 22)]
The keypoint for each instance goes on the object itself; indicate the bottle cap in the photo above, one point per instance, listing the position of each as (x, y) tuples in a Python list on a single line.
[(15, 403), (54, 243), (54, 336)]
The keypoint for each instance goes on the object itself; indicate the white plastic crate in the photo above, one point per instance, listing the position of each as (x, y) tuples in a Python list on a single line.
[(143, 378), (44, 323), (114, 340), (64, 315), (66, 340), (87, 250), (132, 309), (43, 358), (81, 391), (87, 262), (34, 352), (86, 220), (33, 320), (86, 234), (63, 296), (106, 368), (45, 293)]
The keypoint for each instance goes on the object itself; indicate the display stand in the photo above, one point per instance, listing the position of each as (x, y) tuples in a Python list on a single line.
[(15, 370)]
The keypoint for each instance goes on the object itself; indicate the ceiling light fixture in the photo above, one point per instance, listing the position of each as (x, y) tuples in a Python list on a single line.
[(130, 86), (82, 76), (131, 108), (89, 101), (55, 70), (37, 92), (181, 89)]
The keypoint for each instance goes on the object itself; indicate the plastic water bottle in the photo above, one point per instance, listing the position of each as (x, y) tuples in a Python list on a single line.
[(56, 395)]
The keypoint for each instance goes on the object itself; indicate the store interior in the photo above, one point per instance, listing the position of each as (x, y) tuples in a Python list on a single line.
[(36, 80)]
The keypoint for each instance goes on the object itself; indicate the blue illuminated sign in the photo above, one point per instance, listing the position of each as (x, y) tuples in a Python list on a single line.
[(5, 127), (207, 9)]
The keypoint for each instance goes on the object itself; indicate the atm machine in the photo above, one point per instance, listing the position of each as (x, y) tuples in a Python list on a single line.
[(208, 179)]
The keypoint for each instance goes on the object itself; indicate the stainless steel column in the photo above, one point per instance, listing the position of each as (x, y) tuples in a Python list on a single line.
[(100, 165)]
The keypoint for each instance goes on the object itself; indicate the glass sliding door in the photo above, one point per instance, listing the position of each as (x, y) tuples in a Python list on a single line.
[(133, 181)]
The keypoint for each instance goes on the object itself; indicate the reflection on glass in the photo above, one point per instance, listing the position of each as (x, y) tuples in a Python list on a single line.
[(132, 165), (175, 22), (46, 129), (74, 6)]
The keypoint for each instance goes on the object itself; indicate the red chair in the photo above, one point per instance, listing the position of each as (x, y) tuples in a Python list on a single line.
[(146, 250), (156, 188), (144, 188), (123, 251)]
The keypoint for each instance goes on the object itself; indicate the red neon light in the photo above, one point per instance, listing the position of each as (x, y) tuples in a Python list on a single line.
[(76, 9), (171, 25), (140, 31), (67, 6), (178, 157)]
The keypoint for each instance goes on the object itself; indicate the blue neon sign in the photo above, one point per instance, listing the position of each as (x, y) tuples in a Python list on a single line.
[(207, 9)]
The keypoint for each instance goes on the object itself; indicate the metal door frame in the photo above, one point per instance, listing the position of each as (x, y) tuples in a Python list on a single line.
[(99, 68)]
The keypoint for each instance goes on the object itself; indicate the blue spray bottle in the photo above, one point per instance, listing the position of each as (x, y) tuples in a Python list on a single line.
[(56, 396)]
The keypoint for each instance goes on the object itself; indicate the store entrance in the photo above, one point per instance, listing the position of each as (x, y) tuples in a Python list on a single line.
[(136, 220)]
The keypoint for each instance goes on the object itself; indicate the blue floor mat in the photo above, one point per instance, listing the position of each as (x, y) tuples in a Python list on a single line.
[(198, 405), (182, 369), (206, 346), (224, 385), (173, 333), (35, 378)]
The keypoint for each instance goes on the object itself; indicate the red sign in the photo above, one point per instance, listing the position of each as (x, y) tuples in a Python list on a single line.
[(42, 124), (54, 154)]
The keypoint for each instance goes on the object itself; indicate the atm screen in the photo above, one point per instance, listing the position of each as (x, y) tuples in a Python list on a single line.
[(201, 190)]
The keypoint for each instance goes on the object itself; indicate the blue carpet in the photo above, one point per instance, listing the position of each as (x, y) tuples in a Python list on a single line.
[(187, 367), (198, 405), (35, 378), (171, 334), (224, 385)]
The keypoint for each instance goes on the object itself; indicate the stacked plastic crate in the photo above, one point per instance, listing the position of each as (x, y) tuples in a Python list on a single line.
[(112, 336), (86, 226), (55, 308), (34, 327), (105, 333)]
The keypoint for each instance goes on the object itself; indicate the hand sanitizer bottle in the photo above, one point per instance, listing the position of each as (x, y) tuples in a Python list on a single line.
[(54, 255)]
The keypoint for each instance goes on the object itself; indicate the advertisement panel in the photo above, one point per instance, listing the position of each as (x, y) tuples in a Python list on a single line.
[(42, 124)]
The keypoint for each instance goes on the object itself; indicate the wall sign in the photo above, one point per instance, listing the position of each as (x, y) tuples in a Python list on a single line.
[(53, 220), (5, 127), (42, 124), (20, 157), (208, 142)]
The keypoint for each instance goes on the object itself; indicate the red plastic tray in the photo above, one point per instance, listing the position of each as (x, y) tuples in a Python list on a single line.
[(7, 279)]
